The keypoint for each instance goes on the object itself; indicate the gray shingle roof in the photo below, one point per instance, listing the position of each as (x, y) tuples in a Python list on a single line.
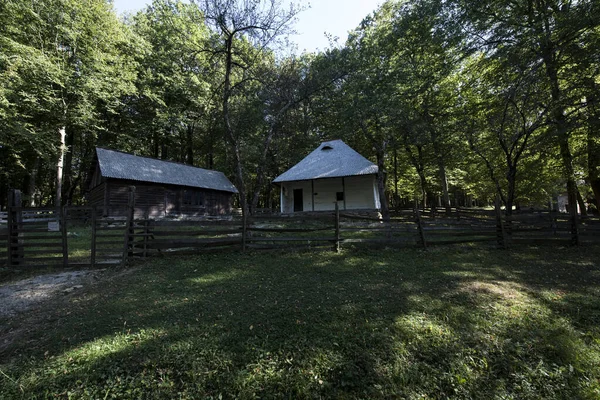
[(115, 164), (330, 160)]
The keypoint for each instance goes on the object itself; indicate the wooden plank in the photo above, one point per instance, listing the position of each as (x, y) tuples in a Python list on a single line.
[(378, 229), (589, 233), (291, 239), (329, 228), (56, 250), (94, 237), (152, 245), (189, 242), (53, 236), (188, 233), (45, 246), (111, 228), (464, 241), (460, 234), (539, 241), (257, 247), (191, 252), (110, 236), (109, 242), (31, 259), (452, 230), (376, 240), (34, 230), (196, 224), (307, 216)]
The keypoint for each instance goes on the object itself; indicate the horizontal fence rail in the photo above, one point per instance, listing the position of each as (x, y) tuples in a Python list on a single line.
[(84, 236)]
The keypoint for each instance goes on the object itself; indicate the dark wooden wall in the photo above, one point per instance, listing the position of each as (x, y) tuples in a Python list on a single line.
[(157, 200)]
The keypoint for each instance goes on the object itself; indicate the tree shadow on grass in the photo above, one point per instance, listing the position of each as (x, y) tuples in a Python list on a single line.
[(464, 323)]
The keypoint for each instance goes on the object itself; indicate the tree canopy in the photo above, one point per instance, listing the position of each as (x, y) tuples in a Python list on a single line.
[(458, 102)]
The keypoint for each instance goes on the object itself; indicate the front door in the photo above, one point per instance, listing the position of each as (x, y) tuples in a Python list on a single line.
[(298, 200)]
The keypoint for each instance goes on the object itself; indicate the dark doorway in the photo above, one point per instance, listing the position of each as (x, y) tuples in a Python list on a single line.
[(298, 200)]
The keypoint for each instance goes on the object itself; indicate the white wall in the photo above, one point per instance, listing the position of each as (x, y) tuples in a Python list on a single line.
[(287, 195), (325, 190), (360, 193)]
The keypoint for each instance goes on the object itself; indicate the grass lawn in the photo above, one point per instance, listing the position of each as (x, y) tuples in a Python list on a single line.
[(459, 322)]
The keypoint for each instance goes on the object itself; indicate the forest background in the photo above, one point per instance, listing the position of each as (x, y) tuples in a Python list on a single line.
[(458, 102)]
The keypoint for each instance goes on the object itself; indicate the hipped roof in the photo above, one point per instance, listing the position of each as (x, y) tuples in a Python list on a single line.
[(119, 165), (331, 159)]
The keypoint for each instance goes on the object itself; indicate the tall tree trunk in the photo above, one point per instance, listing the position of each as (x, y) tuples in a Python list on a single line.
[(32, 182), (593, 152), (558, 114), (260, 170), (417, 162), (229, 133), (511, 179), (385, 210), (189, 145), (442, 174), (155, 146), (60, 165), (396, 196), (68, 168)]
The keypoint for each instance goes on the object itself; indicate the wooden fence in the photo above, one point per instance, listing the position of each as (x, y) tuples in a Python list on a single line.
[(48, 237)]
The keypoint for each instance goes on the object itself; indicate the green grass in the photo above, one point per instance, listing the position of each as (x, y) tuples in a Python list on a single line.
[(456, 322)]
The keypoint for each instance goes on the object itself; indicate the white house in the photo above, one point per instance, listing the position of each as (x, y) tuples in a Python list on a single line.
[(332, 173)]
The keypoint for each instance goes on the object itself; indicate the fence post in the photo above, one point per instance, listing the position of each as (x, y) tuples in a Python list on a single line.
[(63, 234), (244, 230), (500, 231), (574, 227), (553, 222), (337, 228), (146, 233), (93, 244), (128, 224), (420, 228), (14, 220)]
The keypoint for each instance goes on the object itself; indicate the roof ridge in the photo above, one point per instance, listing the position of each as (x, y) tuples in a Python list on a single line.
[(158, 159)]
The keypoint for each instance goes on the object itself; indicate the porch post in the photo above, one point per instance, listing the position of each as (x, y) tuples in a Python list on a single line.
[(344, 190)]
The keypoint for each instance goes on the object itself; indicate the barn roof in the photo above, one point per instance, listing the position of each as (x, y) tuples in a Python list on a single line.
[(330, 160), (119, 165)]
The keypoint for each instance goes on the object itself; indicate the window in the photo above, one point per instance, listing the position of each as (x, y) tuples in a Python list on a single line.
[(339, 196), (326, 147), (193, 198)]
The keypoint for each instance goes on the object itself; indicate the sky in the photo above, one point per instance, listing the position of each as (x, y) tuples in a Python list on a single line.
[(335, 17)]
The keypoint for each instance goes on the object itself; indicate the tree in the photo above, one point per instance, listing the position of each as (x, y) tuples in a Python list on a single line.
[(66, 64), (502, 102), (553, 35), (239, 23), (175, 80)]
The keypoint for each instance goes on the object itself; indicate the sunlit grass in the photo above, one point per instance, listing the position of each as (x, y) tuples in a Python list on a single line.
[(463, 322)]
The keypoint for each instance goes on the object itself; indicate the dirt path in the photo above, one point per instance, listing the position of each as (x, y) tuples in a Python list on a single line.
[(21, 296)]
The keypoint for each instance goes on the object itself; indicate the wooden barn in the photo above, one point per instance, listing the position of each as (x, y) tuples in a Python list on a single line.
[(163, 188), (334, 172)]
